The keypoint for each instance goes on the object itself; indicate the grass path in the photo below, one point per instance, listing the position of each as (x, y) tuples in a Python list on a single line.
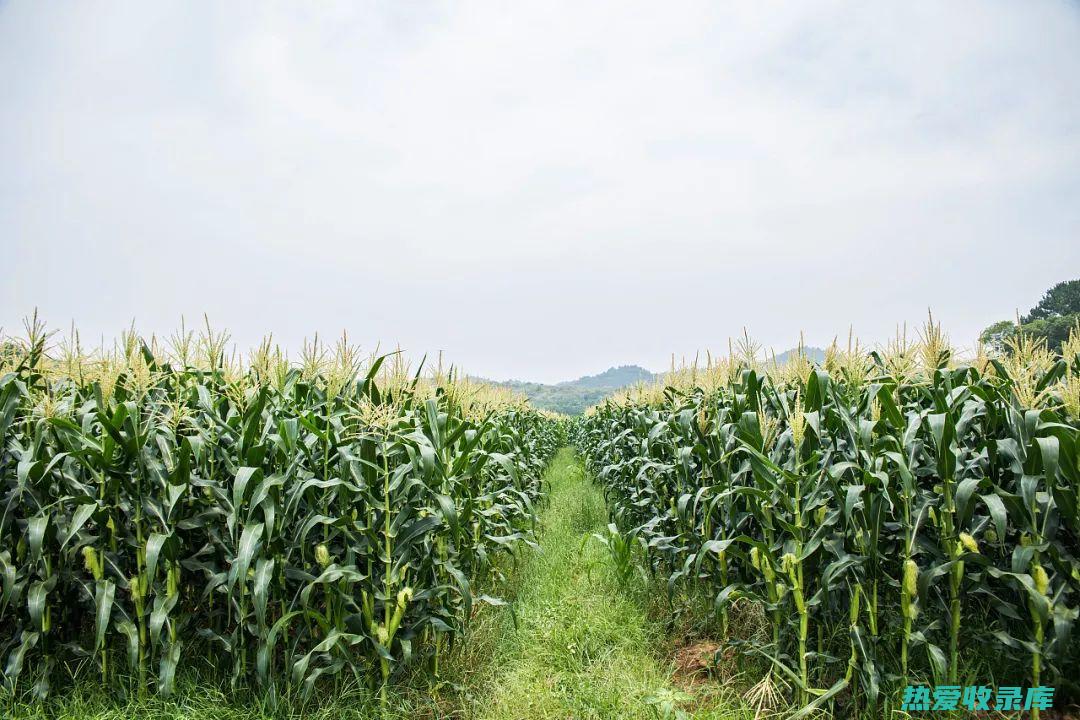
[(582, 649)]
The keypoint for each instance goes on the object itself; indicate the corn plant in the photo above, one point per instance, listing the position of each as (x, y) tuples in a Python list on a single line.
[(296, 522), (894, 514)]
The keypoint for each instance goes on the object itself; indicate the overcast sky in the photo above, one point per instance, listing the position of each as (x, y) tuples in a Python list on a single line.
[(540, 190)]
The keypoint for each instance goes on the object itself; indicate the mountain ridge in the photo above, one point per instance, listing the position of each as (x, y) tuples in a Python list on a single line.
[(573, 397)]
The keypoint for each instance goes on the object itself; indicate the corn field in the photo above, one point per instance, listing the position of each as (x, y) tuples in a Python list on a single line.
[(889, 517), (286, 524)]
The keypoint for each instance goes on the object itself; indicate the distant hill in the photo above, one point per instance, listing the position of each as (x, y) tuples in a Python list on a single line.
[(613, 378), (572, 397), (815, 354)]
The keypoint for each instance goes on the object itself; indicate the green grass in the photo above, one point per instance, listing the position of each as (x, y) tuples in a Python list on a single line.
[(582, 648), (575, 645)]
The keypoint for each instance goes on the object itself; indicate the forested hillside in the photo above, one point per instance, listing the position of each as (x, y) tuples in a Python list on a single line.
[(573, 396)]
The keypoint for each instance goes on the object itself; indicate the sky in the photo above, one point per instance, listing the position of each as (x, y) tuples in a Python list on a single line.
[(538, 189)]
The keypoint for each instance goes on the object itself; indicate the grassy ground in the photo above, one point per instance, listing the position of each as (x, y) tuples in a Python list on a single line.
[(575, 645), (582, 648)]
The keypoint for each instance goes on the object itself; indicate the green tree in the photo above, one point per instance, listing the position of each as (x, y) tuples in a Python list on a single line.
[(994, 337), (1060, 300), (1055, 330), (1055, 316)]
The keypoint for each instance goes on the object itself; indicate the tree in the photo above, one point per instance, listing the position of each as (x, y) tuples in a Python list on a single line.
[(994, 337), (1053, 319), (1055, 330), (1060, 300)]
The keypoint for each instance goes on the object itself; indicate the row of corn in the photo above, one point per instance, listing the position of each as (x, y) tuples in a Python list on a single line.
[(283, 524), (892, 517)]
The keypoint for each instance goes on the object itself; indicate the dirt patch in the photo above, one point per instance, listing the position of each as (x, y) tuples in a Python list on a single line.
[(696, 662)]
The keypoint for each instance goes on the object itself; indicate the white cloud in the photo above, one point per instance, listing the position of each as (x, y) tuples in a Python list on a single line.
[(539, 189)]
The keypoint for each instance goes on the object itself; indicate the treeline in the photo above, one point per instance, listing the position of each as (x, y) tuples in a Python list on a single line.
[(1053, 319)]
